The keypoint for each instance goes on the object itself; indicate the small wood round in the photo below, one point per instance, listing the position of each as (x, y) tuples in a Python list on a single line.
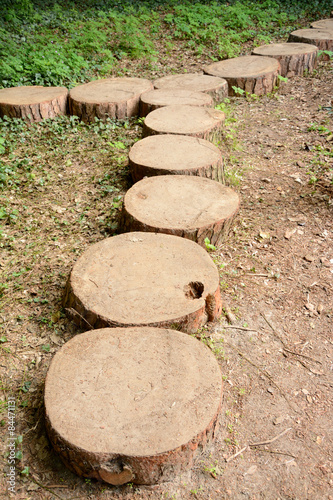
[(212, 85), (323, 24), (155, 99), (204, 123), (144, 279), (33, 103), (254, 74), (294, 58), (190, 207), (132, 404), (113, 97), (175, 154), (322, 38)]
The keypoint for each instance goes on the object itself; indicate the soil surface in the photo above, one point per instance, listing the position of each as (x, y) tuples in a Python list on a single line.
[(276, 354)]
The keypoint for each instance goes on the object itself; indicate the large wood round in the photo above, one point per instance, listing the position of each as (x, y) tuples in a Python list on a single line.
[(204, 123), (214, 86), (155, 99), (254, 74), (322, 38), (175, 154), (132, 404), (144, 279), (190, 207), (112, 97), (33, 103), (294, 58), (323, 24)]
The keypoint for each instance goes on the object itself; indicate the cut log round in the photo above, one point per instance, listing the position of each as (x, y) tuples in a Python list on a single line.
[(175, 154), (204, 123), (111, 97), (144, 279), (155, 99), (322, 38), (294, 58), (254, 74), (323, 24), (132, 404), (190, 207), (33, 103), (216, 87)]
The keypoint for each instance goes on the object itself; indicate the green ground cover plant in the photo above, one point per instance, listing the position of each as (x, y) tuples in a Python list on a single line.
[(66, 43)]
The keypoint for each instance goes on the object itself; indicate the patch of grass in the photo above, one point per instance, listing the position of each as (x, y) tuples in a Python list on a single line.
[(67, 43)]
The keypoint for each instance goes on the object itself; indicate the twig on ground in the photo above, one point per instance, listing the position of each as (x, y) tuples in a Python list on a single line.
[(236, 454), (269, 441), (45, 488), (272, 327), (240, 328), (278, 453), (262, 443), (229, 314), (302, 355), (310, 369), (259, 275), (266, 374), (72, 312)]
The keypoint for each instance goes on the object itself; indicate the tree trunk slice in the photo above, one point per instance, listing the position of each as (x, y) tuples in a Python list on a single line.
[(175, 154), (190, 207), (33, 103), (204, 123), (254, 74), (155, 99), (144, 279), (132, 404), (294, 58), (323, 39), (217, 88), (113, 97), (323, 24)]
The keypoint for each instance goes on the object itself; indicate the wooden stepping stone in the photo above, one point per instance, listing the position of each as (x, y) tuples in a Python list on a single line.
[(294, 58), (254, 74), (175, 154), (144, 279), (322, 38), (323, 24), (33, 103), (212, 85), (155, 99), (190, 207), (112, 97), (204, 123), (132, 404)]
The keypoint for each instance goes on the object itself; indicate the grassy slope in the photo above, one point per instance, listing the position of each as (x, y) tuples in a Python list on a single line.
[(52, 44)]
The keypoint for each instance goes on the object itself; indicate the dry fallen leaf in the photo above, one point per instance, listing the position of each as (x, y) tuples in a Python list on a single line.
[(251, 470), (288, 234)]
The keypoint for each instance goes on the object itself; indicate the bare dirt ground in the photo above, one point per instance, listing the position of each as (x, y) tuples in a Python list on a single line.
[(276, 278)]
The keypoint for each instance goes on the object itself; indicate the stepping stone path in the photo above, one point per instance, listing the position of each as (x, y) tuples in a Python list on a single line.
[(155, 99), (113, 97), (254, 74), (204, 123), (132, 405), (322, 38), (190, 207), (294, 58), (212, 85), (33, 103), (144, 279), (175, 154), (324, 24)]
